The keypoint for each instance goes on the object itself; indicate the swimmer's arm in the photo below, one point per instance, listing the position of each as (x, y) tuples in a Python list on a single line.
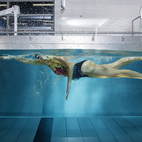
[(62, 60), (70, 74), (70, 71), (23, 60)]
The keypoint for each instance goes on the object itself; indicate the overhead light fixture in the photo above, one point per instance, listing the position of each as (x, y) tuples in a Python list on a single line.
[(141, 12), (86, 22), (64, 18), (40, 4), (3, 5)]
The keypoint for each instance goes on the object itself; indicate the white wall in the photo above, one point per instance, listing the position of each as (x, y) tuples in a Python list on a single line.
[(120, 12)]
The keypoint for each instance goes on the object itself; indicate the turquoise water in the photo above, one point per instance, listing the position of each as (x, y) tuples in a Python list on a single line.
[(32, 90)]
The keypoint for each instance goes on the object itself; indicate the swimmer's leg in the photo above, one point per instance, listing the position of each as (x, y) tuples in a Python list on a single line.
[(103, 71), (1, 58), (113, 73), (124, 61), (130, 74)]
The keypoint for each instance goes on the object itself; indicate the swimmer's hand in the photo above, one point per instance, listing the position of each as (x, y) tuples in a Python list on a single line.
[(68, 89), (67, 94), (66, 97), (7, 57)]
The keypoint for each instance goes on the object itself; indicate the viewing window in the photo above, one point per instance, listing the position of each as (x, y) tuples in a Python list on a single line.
[(34, 16)]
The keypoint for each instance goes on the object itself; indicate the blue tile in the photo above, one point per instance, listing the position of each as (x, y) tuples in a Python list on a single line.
[(73, 130), (5, 124), (136, 123), (29, 130), (59, 127), (116, 130), (103, 132), (87, 130), (59, 139), (15, 130), (59, 130), (129, 129), (44, 131)]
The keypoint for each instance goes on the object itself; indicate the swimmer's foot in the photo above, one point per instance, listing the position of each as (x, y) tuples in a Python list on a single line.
[(1, 58)]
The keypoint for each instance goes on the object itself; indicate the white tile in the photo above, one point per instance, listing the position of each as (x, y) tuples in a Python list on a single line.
[(69, 1), (113, 1), (77, 12), (124, 1), (100, 13), (135, 7), (136, 2), (90, 1), (124, 6), (89, 6), (77, 1), (104, 6), (124, 13), (113, 25), (89, 13), (69, 6), (135, 10), (112, 13), (78, 6), (67, 13), (101, 1), (113, 6)]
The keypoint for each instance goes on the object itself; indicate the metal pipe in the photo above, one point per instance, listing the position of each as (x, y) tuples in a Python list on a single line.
[(7, 20), (133, 24), (60, 33), (63, 2), (13, 10)]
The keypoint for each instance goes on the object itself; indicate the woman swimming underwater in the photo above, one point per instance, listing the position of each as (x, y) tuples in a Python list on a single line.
[(87, 68)]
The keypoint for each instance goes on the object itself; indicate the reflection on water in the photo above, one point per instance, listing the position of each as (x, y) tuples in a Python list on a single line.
[(71, 52)]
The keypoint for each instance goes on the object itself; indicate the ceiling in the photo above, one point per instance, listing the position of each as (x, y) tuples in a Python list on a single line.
[(119, 13), (94, 15)]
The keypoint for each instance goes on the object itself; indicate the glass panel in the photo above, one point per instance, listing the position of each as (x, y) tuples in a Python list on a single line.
[(2, 23), (40, 22), (3, 5), (35, 7), (32, 21)]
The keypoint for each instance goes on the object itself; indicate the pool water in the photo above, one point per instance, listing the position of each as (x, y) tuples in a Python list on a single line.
[(96, 109), (32, 90)]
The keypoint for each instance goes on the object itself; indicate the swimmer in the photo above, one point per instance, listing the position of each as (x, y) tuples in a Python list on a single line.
[(87, 68)]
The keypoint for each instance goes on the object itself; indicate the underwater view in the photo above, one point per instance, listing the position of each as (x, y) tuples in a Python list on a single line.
[(36, 91)]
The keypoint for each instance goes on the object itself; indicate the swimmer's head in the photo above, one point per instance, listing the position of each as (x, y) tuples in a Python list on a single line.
[(37, 56)]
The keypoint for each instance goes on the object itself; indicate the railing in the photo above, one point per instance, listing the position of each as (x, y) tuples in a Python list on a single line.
[(43, 31)]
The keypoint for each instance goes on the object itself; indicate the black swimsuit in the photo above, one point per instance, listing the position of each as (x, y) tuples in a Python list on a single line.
[(77, 74)]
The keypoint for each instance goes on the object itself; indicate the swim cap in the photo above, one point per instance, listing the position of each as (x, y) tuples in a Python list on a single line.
[(37, 56)]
